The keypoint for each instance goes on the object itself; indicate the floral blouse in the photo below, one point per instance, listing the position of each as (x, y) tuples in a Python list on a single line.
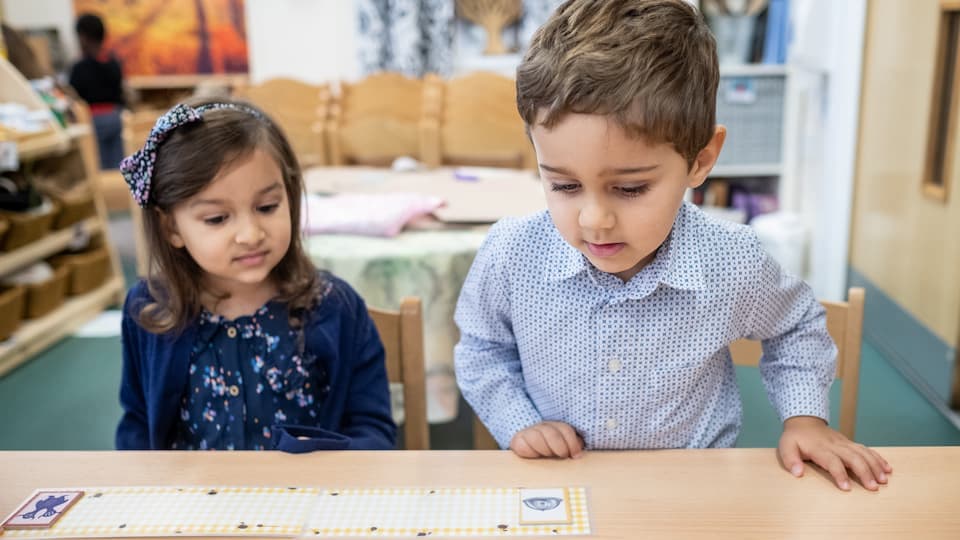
[(247, 375)]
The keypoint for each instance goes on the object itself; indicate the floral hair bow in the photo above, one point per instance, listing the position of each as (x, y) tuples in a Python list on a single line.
[(137, 169)]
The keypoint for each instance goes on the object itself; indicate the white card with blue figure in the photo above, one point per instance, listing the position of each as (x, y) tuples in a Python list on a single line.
[(544, 506), (42, 509)]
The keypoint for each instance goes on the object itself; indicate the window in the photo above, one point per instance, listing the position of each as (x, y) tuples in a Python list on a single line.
[(943, 109)]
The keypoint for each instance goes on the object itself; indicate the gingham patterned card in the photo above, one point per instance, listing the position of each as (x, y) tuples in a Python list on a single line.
[(181, 511), (115, 512), (443, 512)]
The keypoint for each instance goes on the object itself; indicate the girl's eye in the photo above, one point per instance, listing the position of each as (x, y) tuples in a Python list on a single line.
[(215, 220), (564, 188), (634, 191), (268, 208)]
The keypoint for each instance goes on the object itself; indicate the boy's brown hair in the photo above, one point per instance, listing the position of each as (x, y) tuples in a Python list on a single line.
[(649, 64)]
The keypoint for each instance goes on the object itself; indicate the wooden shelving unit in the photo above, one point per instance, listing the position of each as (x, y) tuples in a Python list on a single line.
[(34, 335)]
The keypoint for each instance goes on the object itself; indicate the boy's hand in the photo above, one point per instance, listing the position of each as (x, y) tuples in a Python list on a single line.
[(809, 438), (547, 439)]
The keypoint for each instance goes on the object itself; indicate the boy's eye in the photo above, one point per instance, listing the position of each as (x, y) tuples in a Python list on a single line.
[(268, 208), (634, 191), (214, 220), (564, 188)]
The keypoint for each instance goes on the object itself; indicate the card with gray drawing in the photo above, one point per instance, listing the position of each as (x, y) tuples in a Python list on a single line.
[(544, 506)]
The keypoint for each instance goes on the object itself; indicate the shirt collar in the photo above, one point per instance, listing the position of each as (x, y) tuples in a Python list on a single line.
[(676, 265), (683, 268)]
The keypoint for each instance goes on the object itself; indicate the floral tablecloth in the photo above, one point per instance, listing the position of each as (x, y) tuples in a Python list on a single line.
[(429, 264)]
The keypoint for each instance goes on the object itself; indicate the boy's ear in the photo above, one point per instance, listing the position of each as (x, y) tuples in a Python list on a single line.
[(170, 229), (707, 157)]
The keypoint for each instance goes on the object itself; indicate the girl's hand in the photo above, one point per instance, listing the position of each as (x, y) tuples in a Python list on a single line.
[(547, 439), (808, 438)]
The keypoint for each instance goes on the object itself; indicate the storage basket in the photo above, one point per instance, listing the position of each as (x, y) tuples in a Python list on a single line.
[(88, 269), (27, 227), (75, 206), (46, 296), (11, 310)]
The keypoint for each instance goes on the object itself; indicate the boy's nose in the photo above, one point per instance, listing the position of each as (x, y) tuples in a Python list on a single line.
[(596, 216)]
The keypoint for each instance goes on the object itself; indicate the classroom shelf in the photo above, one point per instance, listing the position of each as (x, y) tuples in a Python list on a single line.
[(35, 335), (73, 144), (47, 246)]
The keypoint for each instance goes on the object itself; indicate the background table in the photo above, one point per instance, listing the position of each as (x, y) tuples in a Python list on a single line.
[(431, 264), (428, 264), (712, 494)]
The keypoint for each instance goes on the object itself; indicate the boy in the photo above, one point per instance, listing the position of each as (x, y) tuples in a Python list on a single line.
[(605, 322)]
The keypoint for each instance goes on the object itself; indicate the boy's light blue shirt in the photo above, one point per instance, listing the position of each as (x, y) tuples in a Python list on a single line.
[(642, 364)]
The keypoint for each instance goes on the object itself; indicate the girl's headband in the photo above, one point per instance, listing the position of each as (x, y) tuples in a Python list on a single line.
[(137, 169)]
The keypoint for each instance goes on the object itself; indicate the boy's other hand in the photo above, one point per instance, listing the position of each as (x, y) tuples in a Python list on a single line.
[(808, 438), (547, 439)]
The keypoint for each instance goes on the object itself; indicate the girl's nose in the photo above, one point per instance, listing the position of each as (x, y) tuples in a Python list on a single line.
[(250, 232)]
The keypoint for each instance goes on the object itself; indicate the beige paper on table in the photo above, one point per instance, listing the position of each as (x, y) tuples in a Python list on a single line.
[(487, 196)]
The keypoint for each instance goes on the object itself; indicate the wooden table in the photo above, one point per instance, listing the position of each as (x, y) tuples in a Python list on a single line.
[(716, 494), (489, 194)]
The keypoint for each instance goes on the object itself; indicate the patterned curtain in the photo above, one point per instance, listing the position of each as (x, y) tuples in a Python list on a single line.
[(415, 37)]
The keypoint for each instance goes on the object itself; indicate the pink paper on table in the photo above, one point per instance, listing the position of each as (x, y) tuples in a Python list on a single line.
[(368, 214)]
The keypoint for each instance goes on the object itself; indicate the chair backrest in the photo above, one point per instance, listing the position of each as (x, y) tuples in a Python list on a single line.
[(477, 123), (402, 335), (375, 120), (299, 109), (845, 325)]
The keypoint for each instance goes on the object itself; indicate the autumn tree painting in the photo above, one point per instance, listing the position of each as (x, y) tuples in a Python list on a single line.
[(173, 37)]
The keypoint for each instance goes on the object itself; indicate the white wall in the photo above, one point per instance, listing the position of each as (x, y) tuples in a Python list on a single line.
[(312, 40), (43, 14), (824, 111)]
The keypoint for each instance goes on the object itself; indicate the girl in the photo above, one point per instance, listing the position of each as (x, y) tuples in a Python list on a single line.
[(235, 340)]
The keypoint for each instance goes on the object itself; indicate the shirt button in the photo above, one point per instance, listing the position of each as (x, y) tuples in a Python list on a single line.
[(614, 365), (612, 423), (232, 332), (234, 390)]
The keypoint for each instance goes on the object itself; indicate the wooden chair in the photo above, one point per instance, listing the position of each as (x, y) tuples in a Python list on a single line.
[(376, 120), (473, 120), (299, 109), (402, 335), (845, 325)]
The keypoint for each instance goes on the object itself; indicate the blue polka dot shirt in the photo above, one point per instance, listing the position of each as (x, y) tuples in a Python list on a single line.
[(641, 364)]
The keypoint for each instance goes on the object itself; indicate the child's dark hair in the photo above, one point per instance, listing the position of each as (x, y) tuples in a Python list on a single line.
[(91, 27), (651, 65), (187, 161)]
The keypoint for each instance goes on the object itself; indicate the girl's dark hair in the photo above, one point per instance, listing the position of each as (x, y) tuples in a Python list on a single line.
[(187, 161)]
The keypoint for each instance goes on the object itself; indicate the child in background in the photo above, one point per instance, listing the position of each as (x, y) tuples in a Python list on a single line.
[(98, 80), (605, 322), (235, 340)]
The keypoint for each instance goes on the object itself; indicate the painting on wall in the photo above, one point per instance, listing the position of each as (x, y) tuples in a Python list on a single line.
[(173, 37)]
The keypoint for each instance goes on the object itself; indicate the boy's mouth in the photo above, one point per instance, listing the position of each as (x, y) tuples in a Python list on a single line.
[(605, 250)]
